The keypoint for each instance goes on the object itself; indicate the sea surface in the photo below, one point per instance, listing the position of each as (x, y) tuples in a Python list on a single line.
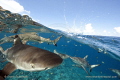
[(104, 50)]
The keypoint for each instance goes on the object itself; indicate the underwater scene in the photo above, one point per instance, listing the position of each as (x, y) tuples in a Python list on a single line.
[(84, 57)]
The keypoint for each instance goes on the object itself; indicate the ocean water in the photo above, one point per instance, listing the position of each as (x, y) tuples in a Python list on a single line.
[(104, 50)]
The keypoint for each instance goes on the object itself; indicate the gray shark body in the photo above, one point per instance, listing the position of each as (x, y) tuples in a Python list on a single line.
[(30, 37), (81, 62), (116, 71), (29, 58)]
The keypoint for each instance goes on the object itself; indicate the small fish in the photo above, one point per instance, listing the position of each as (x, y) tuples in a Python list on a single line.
[(63, 56), (28, 58), (83, 63)]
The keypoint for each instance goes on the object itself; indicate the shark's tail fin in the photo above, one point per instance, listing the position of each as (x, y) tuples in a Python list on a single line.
[(56, 40), (93, 66)]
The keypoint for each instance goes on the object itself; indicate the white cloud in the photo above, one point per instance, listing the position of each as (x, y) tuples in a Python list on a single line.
[(104, 31), (117, 29), (13, 6), (88, 28)]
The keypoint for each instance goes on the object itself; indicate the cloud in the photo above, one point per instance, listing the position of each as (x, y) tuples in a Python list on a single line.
[(117, 29), (104, 31), (88, 28), (13, 6)]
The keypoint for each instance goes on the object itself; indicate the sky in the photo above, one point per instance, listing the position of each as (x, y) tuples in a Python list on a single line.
[(88, 17)]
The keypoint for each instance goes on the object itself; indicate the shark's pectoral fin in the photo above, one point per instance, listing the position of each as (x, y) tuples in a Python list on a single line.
[(85, 70), (9, 68)]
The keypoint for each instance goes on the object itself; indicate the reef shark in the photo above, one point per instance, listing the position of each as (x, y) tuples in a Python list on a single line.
[(63, 56), (116, 71), (81, 62), (30, 37), (28, 58)]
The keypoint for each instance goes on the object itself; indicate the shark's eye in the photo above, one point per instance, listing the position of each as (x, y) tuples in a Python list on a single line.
[(32, 65)]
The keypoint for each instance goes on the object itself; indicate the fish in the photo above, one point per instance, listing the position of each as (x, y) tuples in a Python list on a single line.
[(63, 56), (116, 71), (81, 62), (30, 37), (28, 58)]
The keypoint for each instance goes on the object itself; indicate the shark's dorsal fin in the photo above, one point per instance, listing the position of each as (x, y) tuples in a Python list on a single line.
[(17, 40), (85, 70), (86, 57)]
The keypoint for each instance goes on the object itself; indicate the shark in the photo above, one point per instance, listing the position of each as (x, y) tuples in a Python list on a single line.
[(28, 58), (81, 62), (63, 56), (116, 71), (30, 37)]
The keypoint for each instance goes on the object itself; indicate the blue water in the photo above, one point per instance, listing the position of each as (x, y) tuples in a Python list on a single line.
[(73, 45)]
